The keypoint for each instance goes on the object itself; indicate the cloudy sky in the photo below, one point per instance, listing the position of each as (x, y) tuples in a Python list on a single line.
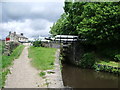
[(31, 18)]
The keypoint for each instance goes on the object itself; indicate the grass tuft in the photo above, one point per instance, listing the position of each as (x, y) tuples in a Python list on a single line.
[(42, 74), (42, 58)]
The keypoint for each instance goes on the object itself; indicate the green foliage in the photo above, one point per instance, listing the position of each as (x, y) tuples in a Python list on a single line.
[(61, 26), (97, 22), (1, 80), (109, 63), (3, 77), (42, 58), (42, 74), (13, 45), (108, 50), (117, 57), (106, 68), (88, 60), (2, 45), (7, 60), (37, 43)]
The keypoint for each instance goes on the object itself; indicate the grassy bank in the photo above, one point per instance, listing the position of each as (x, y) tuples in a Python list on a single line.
[(110, 63), (2, 44), (110, 66), (7, 61), (42, 58)]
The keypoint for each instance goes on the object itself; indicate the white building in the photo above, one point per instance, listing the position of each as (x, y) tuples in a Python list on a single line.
[(16, 37)]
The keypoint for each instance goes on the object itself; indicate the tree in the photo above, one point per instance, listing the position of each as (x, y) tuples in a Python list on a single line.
[(97, 22)]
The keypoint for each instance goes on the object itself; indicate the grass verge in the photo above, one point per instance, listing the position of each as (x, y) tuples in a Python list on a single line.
[(3, 77), (42, 58), (7, 60)]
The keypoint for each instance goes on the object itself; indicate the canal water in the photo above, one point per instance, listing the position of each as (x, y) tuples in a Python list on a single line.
[(86, 78)]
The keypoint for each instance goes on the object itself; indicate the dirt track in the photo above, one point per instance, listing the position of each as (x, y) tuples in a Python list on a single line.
[(23, 75)]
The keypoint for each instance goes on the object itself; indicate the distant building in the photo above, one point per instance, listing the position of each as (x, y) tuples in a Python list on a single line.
[(13, 37)]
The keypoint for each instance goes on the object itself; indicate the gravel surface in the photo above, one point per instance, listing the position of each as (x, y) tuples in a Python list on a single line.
[(23, 75)]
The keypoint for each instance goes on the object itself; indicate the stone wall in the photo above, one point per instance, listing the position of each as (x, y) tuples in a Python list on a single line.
[(9, 47), (72, 52), (51, 44)]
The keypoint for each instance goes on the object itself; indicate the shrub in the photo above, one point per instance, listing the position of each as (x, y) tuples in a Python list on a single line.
[(108, 50), (37, 43), (117, 57), (96, 67), (115, 71), (13, 45), (2, 46), (102, 68), (3, 77), (42, 74), (106, 68), (88, 60)]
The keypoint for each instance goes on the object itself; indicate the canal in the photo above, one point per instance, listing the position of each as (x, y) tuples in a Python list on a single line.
[(86, 78)]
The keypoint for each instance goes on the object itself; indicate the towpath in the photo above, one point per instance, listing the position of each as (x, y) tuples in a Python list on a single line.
[(23, 75)]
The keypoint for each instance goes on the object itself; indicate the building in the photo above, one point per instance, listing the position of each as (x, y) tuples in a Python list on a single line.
[(13, 37)]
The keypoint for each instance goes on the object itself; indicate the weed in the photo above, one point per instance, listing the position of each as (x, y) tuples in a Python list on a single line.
[(42, 74)]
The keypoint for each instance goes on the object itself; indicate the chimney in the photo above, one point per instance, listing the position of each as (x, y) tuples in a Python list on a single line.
[(9, 32), (14, 33), (21, 34)]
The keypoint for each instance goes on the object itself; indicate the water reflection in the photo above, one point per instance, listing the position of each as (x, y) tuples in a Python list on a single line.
[(86, 78)]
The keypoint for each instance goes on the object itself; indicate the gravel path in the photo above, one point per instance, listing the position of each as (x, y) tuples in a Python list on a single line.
[(23, 75)]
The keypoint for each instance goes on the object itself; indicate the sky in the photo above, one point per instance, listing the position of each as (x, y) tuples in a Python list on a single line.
[(31, 18)]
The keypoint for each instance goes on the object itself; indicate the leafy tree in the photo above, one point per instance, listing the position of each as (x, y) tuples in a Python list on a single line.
[(88, 60), (97, 22), (37, 43), (101, 22)]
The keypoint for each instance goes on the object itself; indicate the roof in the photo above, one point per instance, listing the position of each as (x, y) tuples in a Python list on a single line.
[(18, 35), (21, 36)]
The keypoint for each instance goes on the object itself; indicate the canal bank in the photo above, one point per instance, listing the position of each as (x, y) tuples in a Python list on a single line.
[(79, 54), (46, 61), (54, 77), (76, 77)]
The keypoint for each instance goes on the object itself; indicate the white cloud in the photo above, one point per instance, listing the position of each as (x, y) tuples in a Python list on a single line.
[(31, 18), (18, 11), (28, 27), (32, 0)]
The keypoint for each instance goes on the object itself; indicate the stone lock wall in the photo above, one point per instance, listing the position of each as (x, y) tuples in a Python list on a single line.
[(72, 52), (9, 47), (51, 44)]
